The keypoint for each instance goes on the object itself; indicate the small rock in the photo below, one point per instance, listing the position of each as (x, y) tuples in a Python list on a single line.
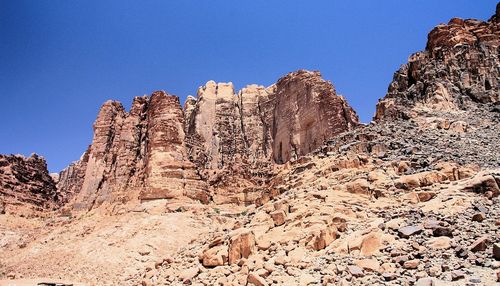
[(389, 276), (411, 264), (479, 217), (355, 271), (457, 275), (475, 279), (496, 251), (431, 224), (441, 242), (425, 196), (407, 231), (401, 259), (254, 279), (442, 231), (479, 244), (278, 217)]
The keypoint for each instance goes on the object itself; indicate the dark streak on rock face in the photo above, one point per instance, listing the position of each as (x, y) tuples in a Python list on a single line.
[(222, 146)]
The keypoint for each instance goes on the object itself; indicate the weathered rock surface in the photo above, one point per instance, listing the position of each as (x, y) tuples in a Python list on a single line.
[(411, 199), (458, 69), (223, 147), (135, 155), (308, 112), (25, 184), (239, 137)]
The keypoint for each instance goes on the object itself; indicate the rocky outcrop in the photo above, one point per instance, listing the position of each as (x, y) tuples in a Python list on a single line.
[(115, 157), (169, 173), (223, 146), (228, 137), (457, 71), (25, 183), (71, 178), (307, 113), (135, 155), (239, 137)]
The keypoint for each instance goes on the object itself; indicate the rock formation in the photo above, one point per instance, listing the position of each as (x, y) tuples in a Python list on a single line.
[(307, 113), (169, 173), (410, 199), (26, 183), (458, 69), (223, 146)]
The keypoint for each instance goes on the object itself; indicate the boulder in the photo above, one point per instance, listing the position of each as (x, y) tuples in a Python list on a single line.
[(241, 245), (215, 256)]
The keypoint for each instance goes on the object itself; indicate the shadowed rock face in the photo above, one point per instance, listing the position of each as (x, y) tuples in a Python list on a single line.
[(223, 146), (458, 69), (26, 182)]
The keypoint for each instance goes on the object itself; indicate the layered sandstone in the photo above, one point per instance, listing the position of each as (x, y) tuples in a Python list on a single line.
[(224, 145), (236, 138), (457, 71), (26, 184), (135, 155), (169, 174), (307, 113)]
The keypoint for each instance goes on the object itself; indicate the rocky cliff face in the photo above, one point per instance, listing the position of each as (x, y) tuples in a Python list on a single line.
[(26, 183), (169, 173), (223, 146), (457, 71), (307, 113)]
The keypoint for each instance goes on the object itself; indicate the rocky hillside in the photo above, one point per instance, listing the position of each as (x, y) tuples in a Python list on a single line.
[(222, 147), (283, 186), (26, 183), (458, 69)]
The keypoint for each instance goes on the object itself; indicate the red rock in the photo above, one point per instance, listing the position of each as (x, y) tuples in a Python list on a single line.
[(26, 183), (307, 113), (241, 246), (460, 47), (480, 244), (224, 142)]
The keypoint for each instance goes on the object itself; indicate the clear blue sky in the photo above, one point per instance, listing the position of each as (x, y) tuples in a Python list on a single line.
[(60, 60)]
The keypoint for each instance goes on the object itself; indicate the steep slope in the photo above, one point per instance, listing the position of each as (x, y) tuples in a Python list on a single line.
[(457, 71), (410, 199), (407, 200), (223, 147), (25, 184)]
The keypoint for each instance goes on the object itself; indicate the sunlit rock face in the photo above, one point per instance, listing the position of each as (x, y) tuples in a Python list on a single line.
[(458, 70), (307, 113), (222, 146), (25, 184)]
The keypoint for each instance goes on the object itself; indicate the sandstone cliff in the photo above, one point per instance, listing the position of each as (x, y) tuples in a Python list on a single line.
[(26, 184), (224, 145), (458, 70)]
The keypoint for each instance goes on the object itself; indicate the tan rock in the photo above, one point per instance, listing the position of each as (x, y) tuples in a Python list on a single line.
[(278, 217), (297, 255), (368, 264), (321, 238), (359, 186), (241, 246), (215, 256), (441, 242), (411, 264), (371, 244)]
